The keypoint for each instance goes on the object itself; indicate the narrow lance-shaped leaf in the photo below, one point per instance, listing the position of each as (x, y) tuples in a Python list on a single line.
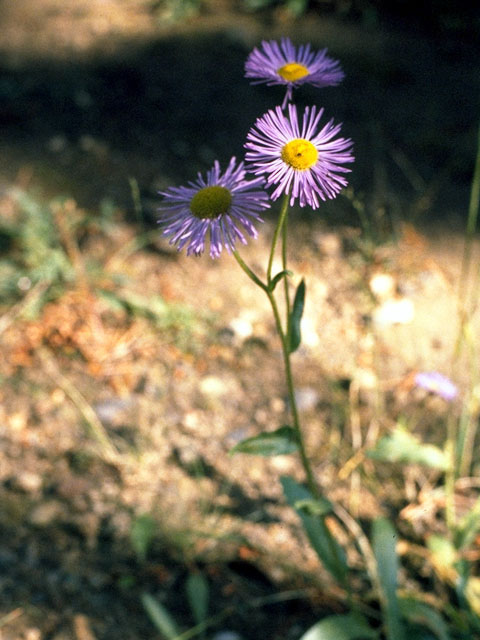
[(323, 543), (296, 317), (270, 443), (198, 594), (384, 542), (160, 617)]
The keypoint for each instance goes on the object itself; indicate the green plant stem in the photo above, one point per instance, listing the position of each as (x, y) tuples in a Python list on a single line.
[(471, 226), (312, 485), (279, 227), (285, 280), (450, 474), (284, 339)]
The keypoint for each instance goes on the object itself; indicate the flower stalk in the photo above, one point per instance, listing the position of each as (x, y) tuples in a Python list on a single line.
[(283, 331)]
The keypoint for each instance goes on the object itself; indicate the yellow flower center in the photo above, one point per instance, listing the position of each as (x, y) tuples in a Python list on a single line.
[(292, 71), (300, 154), (210, 202)]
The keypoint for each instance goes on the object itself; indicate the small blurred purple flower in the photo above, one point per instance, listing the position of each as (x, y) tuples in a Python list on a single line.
[(221, 207), (436, 383), (283, 63), (301, 161)]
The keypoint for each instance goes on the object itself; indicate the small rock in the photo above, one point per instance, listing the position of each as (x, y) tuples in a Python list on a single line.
[(241, 327), (398, 311), (306, 398), (28, 481), (109, 410), (277, 405), (382, 285), (46, 513), (227, 635), (213, 386)]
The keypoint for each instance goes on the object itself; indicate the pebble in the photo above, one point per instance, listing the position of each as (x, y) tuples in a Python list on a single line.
[(307, 398), (213, 386), (28, 481), (398, 311), (109, 410), (241, 327), (227, 635), (46, 512), (382, 285)]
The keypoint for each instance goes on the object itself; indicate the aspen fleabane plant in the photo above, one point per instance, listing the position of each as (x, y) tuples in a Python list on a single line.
[(293, 155), (300, 159)]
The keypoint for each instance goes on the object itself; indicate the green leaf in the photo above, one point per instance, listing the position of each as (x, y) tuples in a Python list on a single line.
[(141, 534), (197, 594), (296, 317), (270, 443), (384, 542), (350, 626), (401, 446), (160, 617), (323, 543), (276, 279), (420, 613)]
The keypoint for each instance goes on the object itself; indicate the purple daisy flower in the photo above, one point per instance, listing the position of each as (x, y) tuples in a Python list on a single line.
[(222, 207), (283, 63), (435, 382), (303, 161)]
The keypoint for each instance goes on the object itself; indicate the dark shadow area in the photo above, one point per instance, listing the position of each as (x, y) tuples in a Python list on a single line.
[(161, 112), (52, 571)]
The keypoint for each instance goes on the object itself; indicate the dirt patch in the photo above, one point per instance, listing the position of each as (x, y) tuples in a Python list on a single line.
[(123, 395)]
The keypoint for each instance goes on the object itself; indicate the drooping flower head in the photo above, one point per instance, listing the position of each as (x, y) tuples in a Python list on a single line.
[(436, 383), (220, 208), (302, 160), (283, 63)]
